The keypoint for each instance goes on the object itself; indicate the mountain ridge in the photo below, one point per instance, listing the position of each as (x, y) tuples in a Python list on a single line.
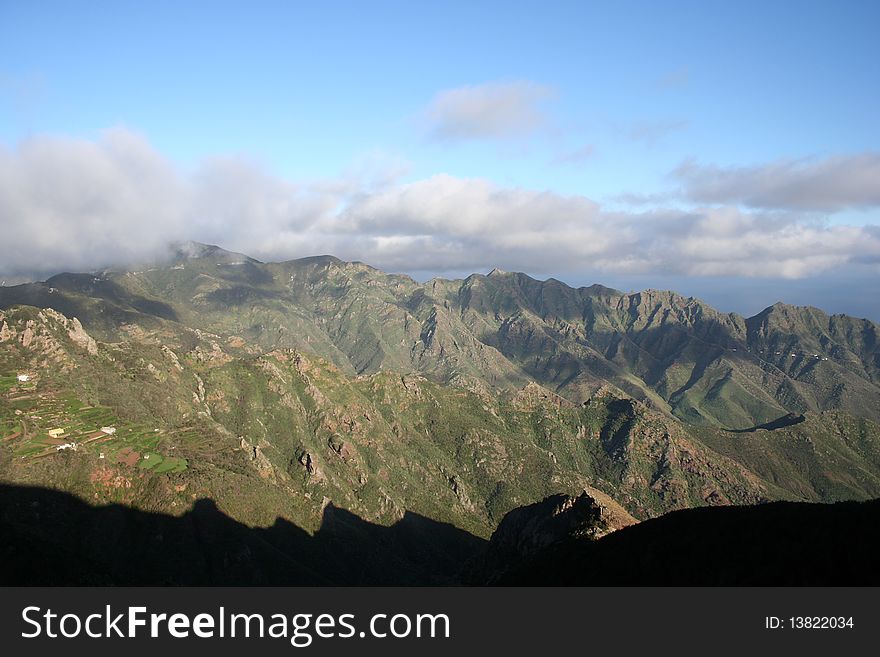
[(678, 353)]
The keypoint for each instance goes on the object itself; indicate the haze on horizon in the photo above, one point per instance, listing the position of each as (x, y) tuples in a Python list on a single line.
[(726, 152)]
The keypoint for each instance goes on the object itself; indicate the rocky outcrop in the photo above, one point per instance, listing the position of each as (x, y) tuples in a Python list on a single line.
[(5, 332), (255, 455), (530, 529), (78, 335), (533, 396)]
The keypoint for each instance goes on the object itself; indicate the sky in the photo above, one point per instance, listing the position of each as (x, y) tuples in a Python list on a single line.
[(725, 150)]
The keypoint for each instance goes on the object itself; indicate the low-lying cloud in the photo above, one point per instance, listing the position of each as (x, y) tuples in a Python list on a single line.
[(824, 185), (83, 205)]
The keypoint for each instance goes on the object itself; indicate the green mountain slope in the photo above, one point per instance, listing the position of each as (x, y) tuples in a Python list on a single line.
[(282, 390), (270, 433), (497, 332)]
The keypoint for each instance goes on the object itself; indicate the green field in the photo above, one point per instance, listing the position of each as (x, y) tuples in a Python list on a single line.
[(33, 412)]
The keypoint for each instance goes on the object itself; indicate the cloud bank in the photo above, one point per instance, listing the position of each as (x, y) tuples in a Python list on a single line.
[(827, 185), (82, 205)]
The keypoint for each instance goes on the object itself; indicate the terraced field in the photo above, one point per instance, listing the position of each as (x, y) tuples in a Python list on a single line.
[(37, 421), (7, 381)]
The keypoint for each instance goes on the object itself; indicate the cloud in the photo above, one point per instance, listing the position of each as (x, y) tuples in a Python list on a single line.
[(495, 110), (67, 203), (464, 224), (825, 185), (83, 205)]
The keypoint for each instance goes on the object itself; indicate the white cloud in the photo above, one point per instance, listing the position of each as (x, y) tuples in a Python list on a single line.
[(488, 111), (67, 203), (82, 205), (824, 185)]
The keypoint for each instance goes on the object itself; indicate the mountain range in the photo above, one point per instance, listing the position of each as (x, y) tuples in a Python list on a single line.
[(285, 390)]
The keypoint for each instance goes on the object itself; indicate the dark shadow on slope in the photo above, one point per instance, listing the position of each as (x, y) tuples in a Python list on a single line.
[(778, 544), (615, 432), (100, 304), (53, 538), (239, 295), (787, 420), (112, 292), (244, 273)]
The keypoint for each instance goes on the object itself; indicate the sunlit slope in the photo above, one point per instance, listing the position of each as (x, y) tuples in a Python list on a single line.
[(278, 432), (495, 333)]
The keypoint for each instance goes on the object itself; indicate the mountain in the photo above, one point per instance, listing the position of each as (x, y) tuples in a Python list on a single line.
[(286, 391), (498, 332)]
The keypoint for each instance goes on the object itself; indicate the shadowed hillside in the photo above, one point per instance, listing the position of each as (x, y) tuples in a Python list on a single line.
[(777, 544), (52, 538)]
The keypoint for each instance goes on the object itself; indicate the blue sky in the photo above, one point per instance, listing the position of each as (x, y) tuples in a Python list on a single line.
[(344, 114)]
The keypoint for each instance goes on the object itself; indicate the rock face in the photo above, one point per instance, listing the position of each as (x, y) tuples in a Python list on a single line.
[(79, 336), (255, 455), (530, 529), (5, 332)]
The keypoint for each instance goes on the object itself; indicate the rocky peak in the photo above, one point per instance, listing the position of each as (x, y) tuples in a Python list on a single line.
[(529, 529)]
